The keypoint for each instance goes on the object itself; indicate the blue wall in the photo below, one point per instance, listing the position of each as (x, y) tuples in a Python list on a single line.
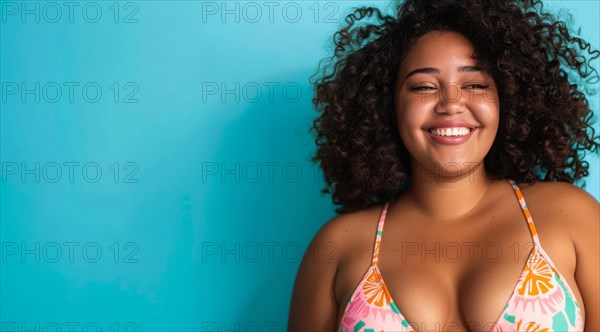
[(157, 174)]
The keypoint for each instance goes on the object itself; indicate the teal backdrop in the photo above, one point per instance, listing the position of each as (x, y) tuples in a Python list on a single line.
[(155, 160)]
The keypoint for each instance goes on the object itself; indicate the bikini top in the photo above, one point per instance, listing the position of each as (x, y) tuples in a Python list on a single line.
[(541, 301)]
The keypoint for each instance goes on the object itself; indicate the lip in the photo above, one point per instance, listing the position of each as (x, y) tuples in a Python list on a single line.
[(452, 140)]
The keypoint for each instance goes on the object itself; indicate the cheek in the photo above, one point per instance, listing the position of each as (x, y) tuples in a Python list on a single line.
[(490, 110), (410, 121), (413, 110), (489, 115), (403, 114)]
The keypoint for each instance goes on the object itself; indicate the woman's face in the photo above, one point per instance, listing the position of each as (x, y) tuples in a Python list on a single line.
[(447, 108)]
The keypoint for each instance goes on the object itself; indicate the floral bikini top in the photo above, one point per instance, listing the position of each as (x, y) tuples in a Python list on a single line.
[(542, 300)]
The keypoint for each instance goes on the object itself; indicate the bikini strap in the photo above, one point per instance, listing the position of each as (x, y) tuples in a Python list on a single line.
[(379, 232), (525, 210)]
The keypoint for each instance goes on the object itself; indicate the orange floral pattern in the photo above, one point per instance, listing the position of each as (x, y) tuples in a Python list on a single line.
[(373, 290), (538, 276)]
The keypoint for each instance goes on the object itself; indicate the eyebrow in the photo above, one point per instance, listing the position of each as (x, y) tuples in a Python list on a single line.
[(432, 70)]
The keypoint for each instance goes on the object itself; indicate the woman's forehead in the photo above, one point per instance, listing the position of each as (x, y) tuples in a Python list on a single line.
[(441, 52), (438, 47)]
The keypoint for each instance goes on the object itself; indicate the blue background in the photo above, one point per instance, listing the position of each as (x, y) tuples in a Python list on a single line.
[(191, 197)]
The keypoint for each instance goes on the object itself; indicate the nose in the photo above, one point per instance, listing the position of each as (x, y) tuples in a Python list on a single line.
[(450, 100)]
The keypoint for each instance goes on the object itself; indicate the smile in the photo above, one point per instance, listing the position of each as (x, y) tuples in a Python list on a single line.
[(452, 136), (456, 131)]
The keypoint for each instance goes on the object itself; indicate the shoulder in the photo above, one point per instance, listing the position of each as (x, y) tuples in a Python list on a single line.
[(342, 233), (314, 301), (576, 210), (561, 197), (576, 213)]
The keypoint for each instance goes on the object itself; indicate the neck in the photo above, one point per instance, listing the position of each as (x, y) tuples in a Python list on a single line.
[(448, 197)]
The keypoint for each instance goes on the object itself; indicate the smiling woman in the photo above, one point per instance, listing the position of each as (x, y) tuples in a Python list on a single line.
[(447, 113), (454, 124)]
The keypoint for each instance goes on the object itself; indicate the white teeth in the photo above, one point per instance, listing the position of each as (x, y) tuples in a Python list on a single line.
[(450, 131)]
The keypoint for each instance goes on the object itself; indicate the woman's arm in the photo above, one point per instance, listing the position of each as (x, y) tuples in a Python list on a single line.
[(314, 305), (584, 223)]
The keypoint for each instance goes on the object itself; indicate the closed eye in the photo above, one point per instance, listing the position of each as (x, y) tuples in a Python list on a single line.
[(476, 86), (418, 88), (469, 87)]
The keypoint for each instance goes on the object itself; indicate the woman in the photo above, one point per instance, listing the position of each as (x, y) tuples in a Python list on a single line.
[(454, 125)]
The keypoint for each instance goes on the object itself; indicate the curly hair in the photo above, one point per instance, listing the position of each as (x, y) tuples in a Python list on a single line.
[(545, 120)]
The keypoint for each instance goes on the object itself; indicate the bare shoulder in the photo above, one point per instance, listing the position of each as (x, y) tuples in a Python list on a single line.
[(561, 197), (346, 231), (573, 209), (314, 302)]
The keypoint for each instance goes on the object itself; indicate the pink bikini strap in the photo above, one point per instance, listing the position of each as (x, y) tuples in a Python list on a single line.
[(379, 232), (525, 210)]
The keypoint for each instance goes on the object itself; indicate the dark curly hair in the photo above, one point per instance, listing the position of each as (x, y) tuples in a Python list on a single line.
[(545, 120)]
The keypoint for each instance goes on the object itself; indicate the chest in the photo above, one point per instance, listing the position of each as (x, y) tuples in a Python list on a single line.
[(456, 285), (448, 278)]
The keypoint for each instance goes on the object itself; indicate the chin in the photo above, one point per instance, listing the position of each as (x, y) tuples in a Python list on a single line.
[(453, 167)]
